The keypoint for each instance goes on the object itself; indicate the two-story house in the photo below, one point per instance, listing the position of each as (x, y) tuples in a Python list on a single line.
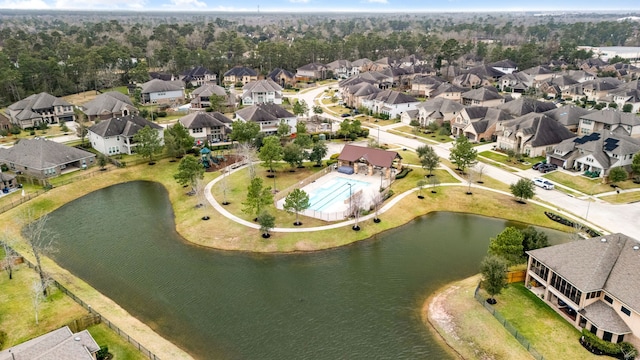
[(505, 66), (449, 92), (198, 76), (593, 284), (342, 69), (610, 120), (390, 102), (40, 108), (202, 96), (424, 85), (158, 91), (311, 72), (436, 110), (485, 96), (597, 152), (261, 92), (239, 74), (478, 123), (115, 136), (282, 77), (207, 127), (532, 134), (268, 116)]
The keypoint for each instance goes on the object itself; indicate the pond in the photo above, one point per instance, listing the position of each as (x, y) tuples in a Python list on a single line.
[(356, 302)]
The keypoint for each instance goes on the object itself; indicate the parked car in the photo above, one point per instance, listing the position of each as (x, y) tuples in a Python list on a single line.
[(537, 165), (543, 183), (545, 168), (345, 115)]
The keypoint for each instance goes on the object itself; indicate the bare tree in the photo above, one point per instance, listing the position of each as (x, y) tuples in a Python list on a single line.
[(470, 177), (479, 169), (434, 181), (377, 200), (38, 295), (356, 208), (249, 156), (225, 186), (9, 255), (41, 241)]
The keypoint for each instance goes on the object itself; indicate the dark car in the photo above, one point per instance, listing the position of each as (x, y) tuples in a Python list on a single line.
[(545, 168), (537, 165), (345, 115)]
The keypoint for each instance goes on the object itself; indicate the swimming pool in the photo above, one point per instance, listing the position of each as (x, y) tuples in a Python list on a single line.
[(336, 190)]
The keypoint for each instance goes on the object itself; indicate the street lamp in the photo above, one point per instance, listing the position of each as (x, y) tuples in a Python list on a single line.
[(349, 197)]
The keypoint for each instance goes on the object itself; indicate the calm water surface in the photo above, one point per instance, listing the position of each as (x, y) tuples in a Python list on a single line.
[(356, 302)]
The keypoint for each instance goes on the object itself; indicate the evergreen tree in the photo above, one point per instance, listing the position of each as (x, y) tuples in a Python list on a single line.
[(149, 143), (494, 275), (462, 153), (508, 245)]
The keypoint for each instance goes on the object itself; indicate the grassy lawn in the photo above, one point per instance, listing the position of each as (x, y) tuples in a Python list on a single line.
[(502, 158), (53, 131), (546, 330), (626, 198), (462, 323), (117, 346), (586, 185), (408, 132)]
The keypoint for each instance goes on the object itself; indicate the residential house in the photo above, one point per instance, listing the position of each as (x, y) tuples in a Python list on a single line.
[(593, 284), (579, 75), (611, 120), (239, 74), (198, 76), (5, 122), (311, 72), (282, 77), (162, 92), (115, 135), (352, 95), (505, 66), (517, 82), (449, 92), (487, 73), (7, 182), (42, 158), (533, 134), (469, 80), (568, 115), (40, 108), (597, 152), (207, 127), (539, 73), (342, 69), (485, 96), (268, 116), (57, 344), (360, 64), (390, 102), (478, 123), (438, 110), (201, 97), (423, 86), (524, 105), (629, 93), (260, 92), (598, 90), (108, 105)]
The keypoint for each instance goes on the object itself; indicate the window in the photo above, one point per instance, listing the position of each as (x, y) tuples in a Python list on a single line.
[(625, 311), (607, 336), (608, 299)]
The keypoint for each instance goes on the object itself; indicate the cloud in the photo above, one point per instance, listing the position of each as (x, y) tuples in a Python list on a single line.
[(100, 4), (185, 4), (377, 1), (24, 4), (299, 1)]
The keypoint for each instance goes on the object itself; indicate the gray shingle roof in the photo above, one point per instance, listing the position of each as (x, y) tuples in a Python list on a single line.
[(482, 94), (157, 85), (108, 103), (591, 265), (59, 344), (392, 97), (525, 105), (546, 131), (266, 85), (605, 317), (36, 102), (567, 115), (264, 112), (126, 126), (208, 90), (201, 119), (613, 117), (240, 71), (42, 154)]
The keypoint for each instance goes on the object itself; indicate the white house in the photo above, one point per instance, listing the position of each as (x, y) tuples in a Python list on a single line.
[(269, 117), (390, 102), (158, 91), (261, 92), (115, 136), (211, 127)]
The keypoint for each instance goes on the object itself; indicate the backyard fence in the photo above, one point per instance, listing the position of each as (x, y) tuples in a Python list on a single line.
[(94, 317), (516, 276), (302, 183), (507, 325)]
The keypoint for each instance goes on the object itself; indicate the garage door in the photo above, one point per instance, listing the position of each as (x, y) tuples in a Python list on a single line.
[(555, 161)]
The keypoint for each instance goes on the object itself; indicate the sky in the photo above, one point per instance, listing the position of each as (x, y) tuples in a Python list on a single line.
[(410, 6)]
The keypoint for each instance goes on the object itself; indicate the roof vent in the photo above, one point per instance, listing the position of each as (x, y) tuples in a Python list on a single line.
[(636, 248), (604, 240), (77, 338)]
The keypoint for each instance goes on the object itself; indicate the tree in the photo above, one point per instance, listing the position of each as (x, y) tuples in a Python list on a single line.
[(508, 245), (303, 140), (317, 109), (271, 151), (318, 151), (635, 165), (522, 189), (494, 275), (244, 132), (627, 108), (9, 255), (415, 124), (38, 295), (82, 131), (284, 129), (177, 140), (428, 158), (355, 209), (479, 170), (293, 155), (462, 153), (102, 161), (41, 241), (617, 174), (257, 197), (300, 108), (267, 222), (533, 239), (149, 143), (249, 155), (190, 170), (297, 201), (421, 183)]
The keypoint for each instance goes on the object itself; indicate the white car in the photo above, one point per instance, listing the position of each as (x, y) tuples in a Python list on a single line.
[(543, 183)]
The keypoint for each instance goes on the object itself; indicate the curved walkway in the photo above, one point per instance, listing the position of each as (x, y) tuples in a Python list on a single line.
[(219, 207)]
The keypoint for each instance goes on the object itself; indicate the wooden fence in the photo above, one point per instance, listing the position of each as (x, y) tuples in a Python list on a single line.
[(516, 276)]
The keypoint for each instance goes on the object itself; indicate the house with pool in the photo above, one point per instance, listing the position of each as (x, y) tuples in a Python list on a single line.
[(594, 284)]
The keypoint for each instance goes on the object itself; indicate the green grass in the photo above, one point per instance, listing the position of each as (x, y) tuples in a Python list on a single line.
[(120, 89), (409, 132), (625, 198), (587, 185), (503, 159), (545, 329), (120, 348)]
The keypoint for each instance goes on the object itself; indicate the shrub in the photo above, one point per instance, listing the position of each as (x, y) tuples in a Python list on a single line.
[(103, 353), (3, 338), (334, 156), (331, 162), (599, 346), (32, 132), (4, 132), (403, 173), (388, 195), (15, 130)]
